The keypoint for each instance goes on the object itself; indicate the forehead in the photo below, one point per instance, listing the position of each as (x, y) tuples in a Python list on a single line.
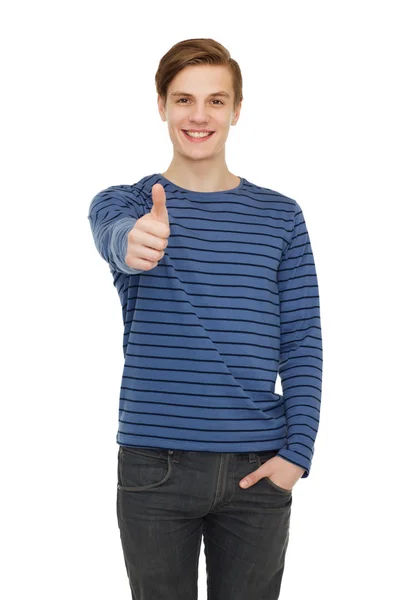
[(202, 80)]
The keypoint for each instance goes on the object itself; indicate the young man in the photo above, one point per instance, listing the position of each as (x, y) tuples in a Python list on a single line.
[(219, 293)]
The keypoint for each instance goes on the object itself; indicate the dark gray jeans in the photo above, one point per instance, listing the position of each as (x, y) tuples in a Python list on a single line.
[(167, 500)]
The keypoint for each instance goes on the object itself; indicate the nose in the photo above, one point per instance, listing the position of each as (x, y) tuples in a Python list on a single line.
[(199, 114)]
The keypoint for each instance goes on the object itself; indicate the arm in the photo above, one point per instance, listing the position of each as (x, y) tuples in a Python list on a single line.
[(300, 366), (112, 214)]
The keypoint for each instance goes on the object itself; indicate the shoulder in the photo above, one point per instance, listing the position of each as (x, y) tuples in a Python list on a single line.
[(123, 196), (276, 198)]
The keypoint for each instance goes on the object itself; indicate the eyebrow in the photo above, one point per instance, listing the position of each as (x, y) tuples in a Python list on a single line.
[(222, 93)]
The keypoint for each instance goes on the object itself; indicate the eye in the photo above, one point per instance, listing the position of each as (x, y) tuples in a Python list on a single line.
[(214, 100)]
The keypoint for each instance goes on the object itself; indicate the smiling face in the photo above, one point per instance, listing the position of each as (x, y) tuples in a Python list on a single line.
[(200, 97)]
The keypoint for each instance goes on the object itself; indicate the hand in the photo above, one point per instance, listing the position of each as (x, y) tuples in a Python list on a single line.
[(148, 238), (282, 472)]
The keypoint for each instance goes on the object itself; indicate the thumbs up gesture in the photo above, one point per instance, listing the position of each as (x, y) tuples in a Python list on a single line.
[(148, 238)]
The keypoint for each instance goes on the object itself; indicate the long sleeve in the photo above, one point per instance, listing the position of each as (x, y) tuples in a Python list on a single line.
[(300, 366), (112, 214)]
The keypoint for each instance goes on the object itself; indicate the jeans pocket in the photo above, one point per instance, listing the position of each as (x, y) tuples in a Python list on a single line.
[(141, 469), (262, 458)]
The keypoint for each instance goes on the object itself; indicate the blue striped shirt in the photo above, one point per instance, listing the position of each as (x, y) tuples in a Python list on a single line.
[(233, 302)]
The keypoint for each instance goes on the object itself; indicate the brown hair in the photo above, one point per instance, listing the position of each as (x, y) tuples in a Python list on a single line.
[(197, 51)]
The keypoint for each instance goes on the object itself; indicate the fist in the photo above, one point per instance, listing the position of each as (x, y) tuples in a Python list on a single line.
[(148, 238)]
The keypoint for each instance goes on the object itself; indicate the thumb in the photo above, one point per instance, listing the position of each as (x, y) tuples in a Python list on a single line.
[(253, 477), (159, 208)]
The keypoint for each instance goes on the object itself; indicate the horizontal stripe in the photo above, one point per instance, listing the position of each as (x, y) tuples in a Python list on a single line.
[(232, 304)]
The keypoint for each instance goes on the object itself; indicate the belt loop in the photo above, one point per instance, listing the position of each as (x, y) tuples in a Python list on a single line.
[(176, 455), (252, 457)]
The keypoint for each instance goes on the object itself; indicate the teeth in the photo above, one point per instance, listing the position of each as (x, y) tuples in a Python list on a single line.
[(194, 134)]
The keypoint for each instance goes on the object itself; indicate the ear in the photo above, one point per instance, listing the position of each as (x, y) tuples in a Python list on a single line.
[(237, 113), (161, 108)]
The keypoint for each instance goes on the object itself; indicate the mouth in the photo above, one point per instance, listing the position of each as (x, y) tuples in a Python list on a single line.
[(197, 139)]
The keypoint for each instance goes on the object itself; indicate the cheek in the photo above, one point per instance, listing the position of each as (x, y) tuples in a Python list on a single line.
[(223, 125), (174, 129)]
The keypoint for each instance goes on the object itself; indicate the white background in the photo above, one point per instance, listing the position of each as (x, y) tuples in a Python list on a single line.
[(327, 119)]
